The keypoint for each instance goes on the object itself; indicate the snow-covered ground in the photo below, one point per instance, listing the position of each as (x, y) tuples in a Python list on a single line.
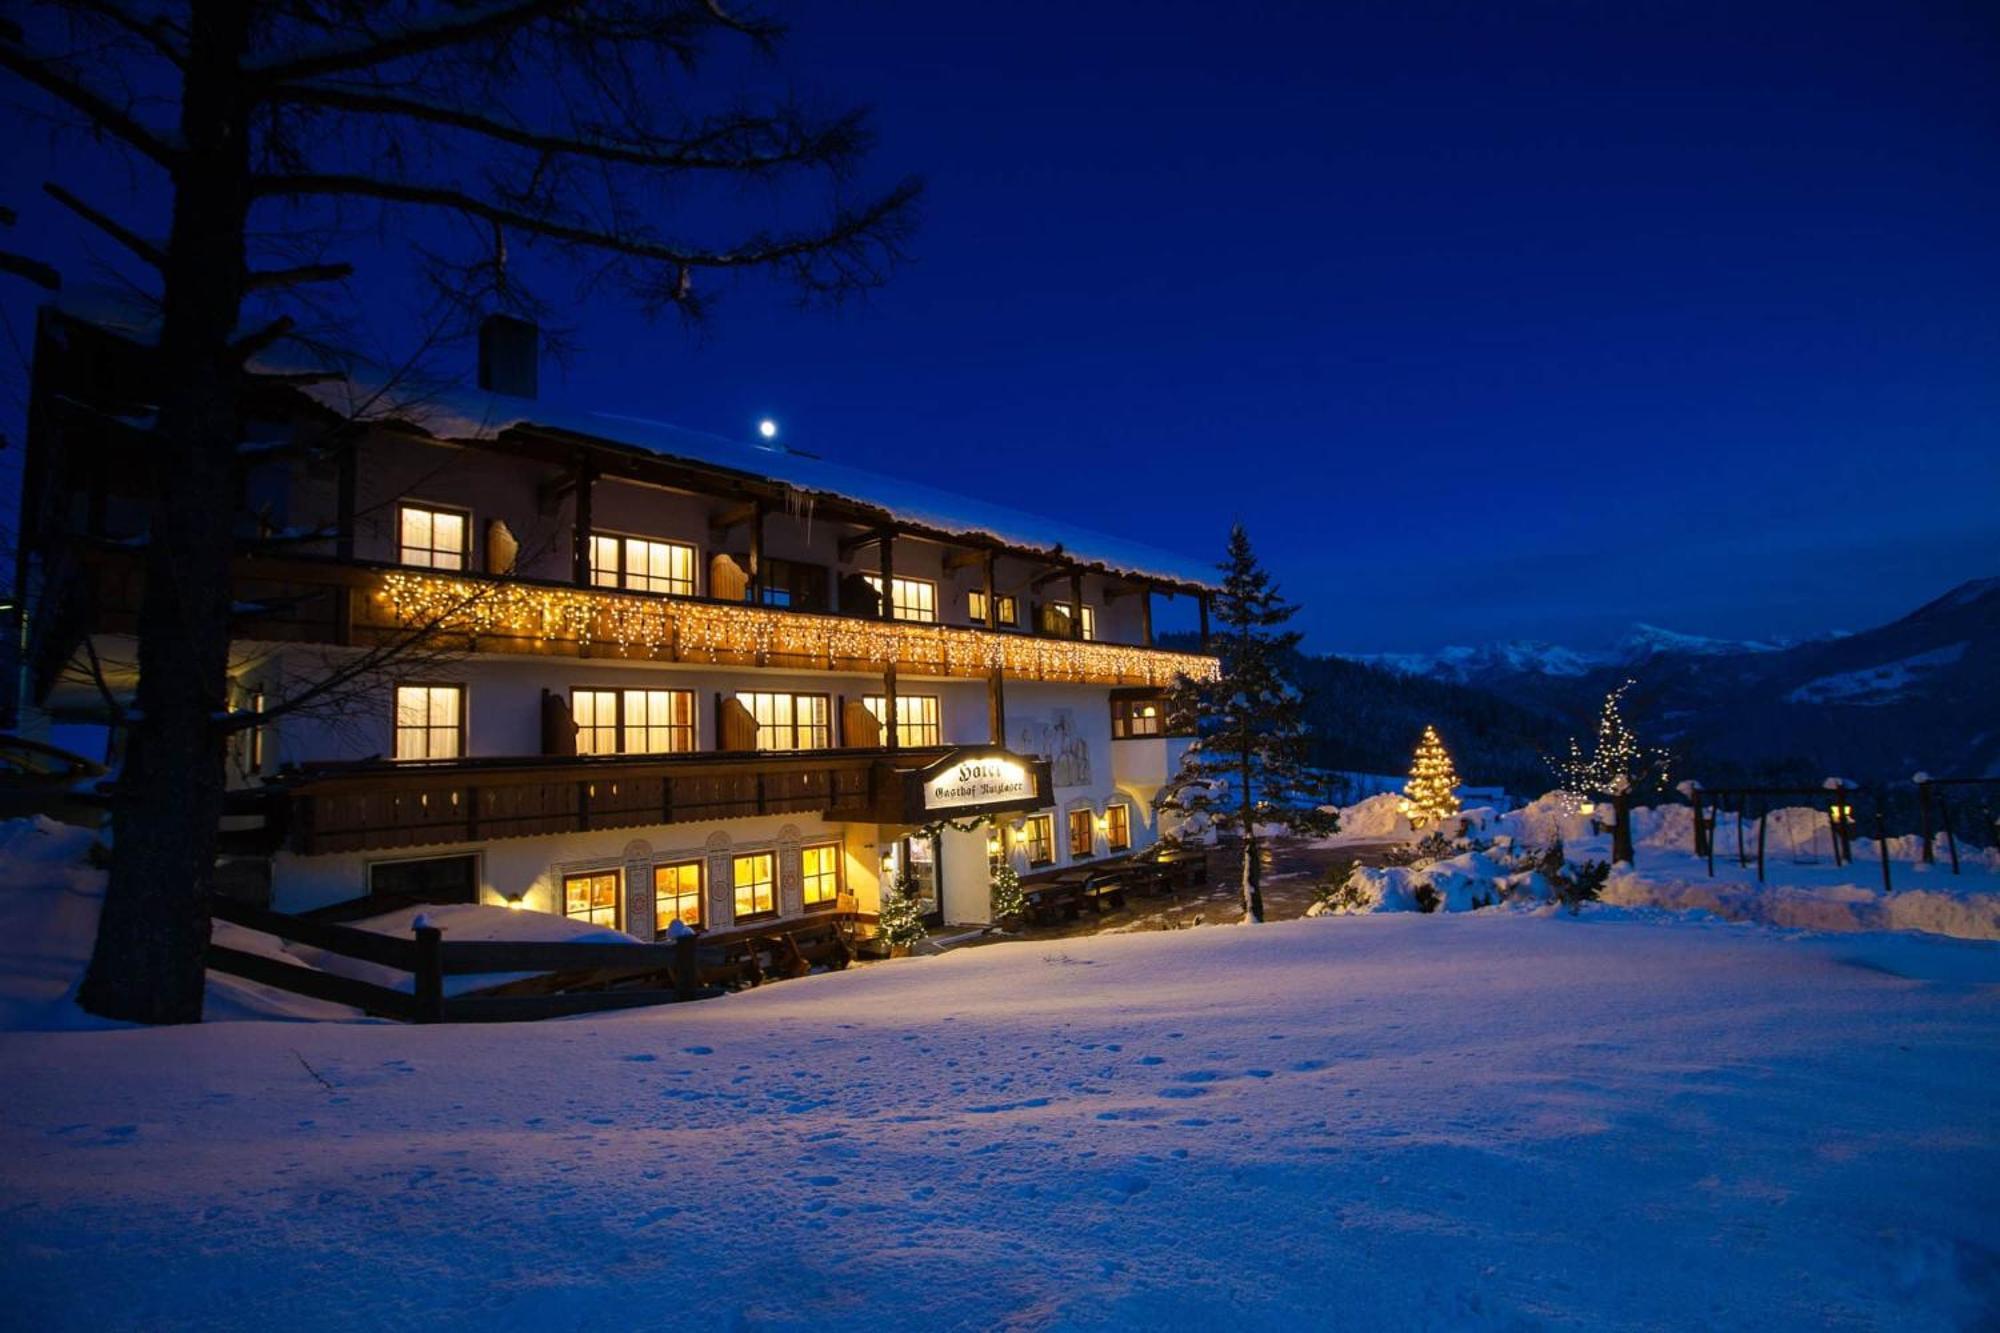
[(1489, 1120), (1497, 1119)]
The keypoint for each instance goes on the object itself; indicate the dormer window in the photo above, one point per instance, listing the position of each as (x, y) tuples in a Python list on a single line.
[(433, 538)]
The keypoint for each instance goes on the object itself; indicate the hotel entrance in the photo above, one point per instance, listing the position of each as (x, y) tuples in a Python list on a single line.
[(919, 853)]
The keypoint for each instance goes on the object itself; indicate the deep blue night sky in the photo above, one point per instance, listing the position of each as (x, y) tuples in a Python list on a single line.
[(1489, 320)]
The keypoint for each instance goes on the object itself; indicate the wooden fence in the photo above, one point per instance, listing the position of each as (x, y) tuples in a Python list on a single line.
[(616, 975)]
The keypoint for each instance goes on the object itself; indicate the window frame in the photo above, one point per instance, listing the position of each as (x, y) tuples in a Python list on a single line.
[(432, 509), (616, 875), (1089, 827), (1089, 618), (253, 745), (776, 576), (1124, 716), (621, 726), (1117, 826), (699, 893), (621, 577), (877, 704), (736, 885), (1028, 841), (1007, 604), (825, 724), (838, 874), (898, 582), (396, 727)]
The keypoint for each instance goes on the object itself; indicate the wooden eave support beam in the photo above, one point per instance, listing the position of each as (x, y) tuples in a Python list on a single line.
[(859, 541)]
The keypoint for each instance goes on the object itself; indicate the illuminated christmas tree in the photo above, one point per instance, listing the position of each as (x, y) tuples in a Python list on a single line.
[(1616, 764), (1432, 782), (902, 918)]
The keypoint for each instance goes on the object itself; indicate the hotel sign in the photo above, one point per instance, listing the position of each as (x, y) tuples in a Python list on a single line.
[(978, 781), (982, 781)]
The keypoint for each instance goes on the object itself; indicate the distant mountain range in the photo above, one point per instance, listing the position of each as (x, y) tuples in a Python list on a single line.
[(1513, 657), (1921, 692)]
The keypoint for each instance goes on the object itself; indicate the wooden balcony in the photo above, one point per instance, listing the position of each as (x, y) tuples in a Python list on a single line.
[(378, 805), (323, 600)]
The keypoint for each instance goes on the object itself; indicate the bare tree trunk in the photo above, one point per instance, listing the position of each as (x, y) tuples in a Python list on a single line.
[(1253, 893), (151, 940), (1621, 828)]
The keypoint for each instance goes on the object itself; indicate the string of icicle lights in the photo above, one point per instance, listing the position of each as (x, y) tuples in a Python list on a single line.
[(677, 631)]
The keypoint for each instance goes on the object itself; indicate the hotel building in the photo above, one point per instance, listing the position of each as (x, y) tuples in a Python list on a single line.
[(609, 668)]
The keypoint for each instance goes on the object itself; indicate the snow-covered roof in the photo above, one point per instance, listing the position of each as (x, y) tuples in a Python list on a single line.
[(472, 415)]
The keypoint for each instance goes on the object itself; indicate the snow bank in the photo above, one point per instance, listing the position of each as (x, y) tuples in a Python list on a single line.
[(50, 897), (1378, 817), (459, 921)]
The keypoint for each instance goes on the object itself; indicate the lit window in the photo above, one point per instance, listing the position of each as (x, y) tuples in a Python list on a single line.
[(658, 721), (1136, 717), (592, 898), (909, 599), (676, 895), (1117, 826), (633, 721), (788, 721), (756, 882), (254, 745), (916, 717), (596, 715), (641, 564), (430, 721), (1082, 836), (821, 866), (976, 608), (1037, 839), (431, 538), (1061, 610)]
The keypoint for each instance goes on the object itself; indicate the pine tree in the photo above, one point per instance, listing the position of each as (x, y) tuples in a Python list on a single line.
[(1432, 782), (1246, 769), (901, 920)]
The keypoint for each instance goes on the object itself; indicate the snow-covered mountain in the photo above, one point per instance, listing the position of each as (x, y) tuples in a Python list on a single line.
[(1916, 693), (1533, 657)]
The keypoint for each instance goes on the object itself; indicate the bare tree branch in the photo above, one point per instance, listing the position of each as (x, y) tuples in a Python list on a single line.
[(157, 32), (467, 24), (303, 273), (34, 270), (728, 143), (117, 231), (847, 225), (43, 72)]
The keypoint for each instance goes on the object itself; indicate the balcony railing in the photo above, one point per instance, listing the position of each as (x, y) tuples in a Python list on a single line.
[(378, 805), (318, 600), (496, 615)]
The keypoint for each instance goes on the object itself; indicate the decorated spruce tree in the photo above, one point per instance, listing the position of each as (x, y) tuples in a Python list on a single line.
[(1432, 782), (1245, 773), (1008, 899), (901, 920), (1617, 768)]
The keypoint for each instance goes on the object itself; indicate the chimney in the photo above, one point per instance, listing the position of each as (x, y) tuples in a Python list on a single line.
[(508, 355)]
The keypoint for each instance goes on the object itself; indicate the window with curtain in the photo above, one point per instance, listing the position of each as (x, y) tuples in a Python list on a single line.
[(916, 717), (432, 538), (592, 897), (430, 721), (820, 865), (756, 883), (676, 895)]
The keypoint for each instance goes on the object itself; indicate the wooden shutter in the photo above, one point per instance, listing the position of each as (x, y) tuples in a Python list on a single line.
[(738, 728), (558, 726), (726, 580), (858, 727)]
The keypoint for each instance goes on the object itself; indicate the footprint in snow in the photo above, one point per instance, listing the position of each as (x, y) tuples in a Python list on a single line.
[(1152, 1059), (698, 1050), (640, 1059), (1183, 1093)]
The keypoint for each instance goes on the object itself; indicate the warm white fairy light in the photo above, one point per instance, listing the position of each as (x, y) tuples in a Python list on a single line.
[(671, 630)]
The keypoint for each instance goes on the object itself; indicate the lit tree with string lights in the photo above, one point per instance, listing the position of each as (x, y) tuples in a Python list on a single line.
[(1246, 770), (1433, 782), (1617, 768)]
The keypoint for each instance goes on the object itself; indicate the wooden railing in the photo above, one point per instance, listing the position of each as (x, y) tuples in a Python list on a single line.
[(321, 600), (429, 958), (377, 805)]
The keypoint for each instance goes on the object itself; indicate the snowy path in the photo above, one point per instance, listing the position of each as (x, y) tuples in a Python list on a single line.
[(1487, 1120)]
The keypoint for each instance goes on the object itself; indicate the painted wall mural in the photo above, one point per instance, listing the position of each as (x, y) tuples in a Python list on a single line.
[(1057, 738)]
